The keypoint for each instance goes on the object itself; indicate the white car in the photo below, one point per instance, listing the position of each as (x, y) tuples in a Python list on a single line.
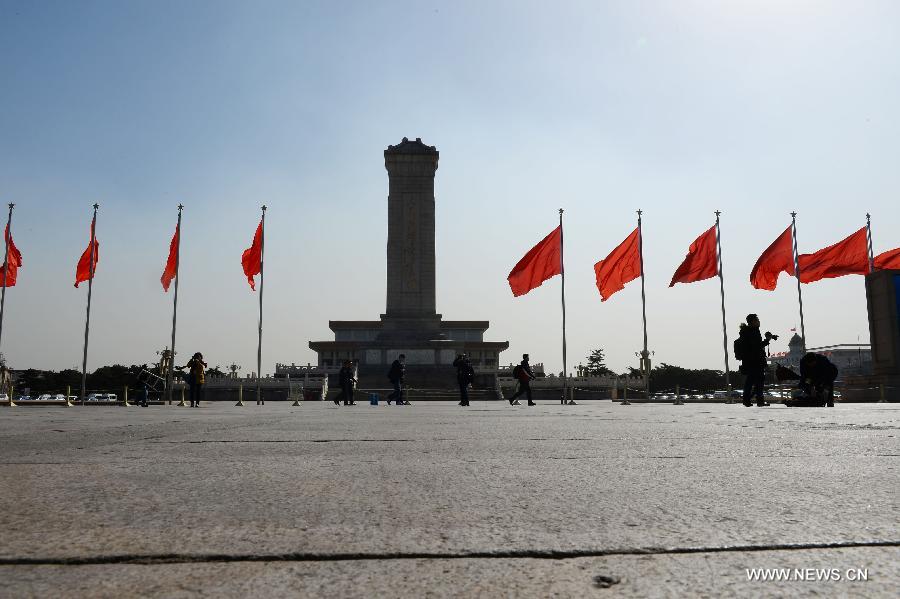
[(102, 397), (4, 397), (24, 398)]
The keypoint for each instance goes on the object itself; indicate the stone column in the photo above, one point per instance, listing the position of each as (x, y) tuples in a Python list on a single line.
[(410, 250)]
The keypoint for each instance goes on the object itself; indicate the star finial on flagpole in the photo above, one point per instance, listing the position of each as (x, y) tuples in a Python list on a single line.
[(264, 208), (11, 205), (180, 206), (793, 215), (96, 206)]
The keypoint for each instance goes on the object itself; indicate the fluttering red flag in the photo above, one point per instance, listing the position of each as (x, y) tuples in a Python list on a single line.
[(251, 259), (622, 266), (86, 270), (888, 260), (701, 261), (172, 263), (539, 264), (849, 256), (778, 258), (10, 270)]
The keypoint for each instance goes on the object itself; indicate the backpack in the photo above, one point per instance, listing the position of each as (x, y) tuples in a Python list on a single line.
[(739, 349), (517, 371)]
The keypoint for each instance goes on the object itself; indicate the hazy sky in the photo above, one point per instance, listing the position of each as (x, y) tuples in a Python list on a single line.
[(680, 108)]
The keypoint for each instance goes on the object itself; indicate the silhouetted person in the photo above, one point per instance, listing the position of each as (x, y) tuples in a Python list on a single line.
[(196, 378), (524, 375), (397, 376), (752, 355), (817, 375), (346, 380), (465, 374)]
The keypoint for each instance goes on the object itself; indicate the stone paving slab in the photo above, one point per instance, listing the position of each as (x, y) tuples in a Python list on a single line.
[(369, 489)]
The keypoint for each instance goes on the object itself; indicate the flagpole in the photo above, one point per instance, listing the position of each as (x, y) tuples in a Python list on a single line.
[(722, 291), (262, 252), (645, 354), (171, 378), (797, 275), (5, 268), (87, 320), (562, 271), (869, 242)]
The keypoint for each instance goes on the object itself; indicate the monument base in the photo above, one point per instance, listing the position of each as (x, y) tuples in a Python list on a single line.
[(871, 388)]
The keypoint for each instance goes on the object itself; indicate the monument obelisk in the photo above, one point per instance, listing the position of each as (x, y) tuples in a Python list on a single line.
[(410, 324), (411, 311)]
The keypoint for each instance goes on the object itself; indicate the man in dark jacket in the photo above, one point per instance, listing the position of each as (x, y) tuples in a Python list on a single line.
[(397, 376), (753, 360), (346, 381), (465, 374), (525, 376)]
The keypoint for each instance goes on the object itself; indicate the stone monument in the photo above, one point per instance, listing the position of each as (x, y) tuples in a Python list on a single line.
[(883, 301), (410, 324)]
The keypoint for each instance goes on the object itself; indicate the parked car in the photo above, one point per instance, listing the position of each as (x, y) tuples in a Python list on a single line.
[(4, 397), (102, 397), (24, 398)]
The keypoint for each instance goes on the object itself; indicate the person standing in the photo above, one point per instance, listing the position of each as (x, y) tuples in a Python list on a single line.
[(397, 376), (751, 351), (346, 381), (524, 375), (465, 374), (196, 378)]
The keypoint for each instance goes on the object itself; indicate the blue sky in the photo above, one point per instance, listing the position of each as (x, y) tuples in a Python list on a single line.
[(678, 108)]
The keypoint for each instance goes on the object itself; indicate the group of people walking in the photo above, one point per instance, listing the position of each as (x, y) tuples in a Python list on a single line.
[(465, 378)]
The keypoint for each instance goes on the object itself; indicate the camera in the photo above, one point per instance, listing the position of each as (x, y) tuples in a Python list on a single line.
[(771, 336)]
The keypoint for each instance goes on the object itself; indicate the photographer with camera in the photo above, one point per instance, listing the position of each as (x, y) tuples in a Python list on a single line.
[(750, 349)]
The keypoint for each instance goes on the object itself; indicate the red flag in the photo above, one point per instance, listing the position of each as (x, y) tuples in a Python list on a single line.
[(14, 261), (778, 258), (847, 257), (888, 260), (701, 261), (172, 263), (86, 270), (539, 264), (623, 265), (251, 259)]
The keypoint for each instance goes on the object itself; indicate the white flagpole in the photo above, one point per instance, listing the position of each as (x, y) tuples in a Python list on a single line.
[(562, 270), (87, 320), (262, 252), (171, 378), (797, 275), (869, 242), (722, 290), (6, 268), (645, 353)]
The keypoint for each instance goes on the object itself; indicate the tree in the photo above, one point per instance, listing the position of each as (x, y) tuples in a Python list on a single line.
[(595, 365)]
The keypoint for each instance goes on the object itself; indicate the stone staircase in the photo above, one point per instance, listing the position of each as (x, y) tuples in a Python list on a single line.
[(415, 395)]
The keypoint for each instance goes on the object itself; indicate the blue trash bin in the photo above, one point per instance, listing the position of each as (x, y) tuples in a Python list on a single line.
[(373, 399)]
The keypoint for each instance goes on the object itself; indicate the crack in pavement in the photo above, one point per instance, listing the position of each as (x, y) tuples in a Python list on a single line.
[(201, 441), (184, 558)]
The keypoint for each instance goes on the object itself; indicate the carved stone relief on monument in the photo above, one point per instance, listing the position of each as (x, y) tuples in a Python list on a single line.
[(410, 257)]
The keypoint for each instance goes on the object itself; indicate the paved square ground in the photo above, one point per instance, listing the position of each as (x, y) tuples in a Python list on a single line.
[(437, 500)]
